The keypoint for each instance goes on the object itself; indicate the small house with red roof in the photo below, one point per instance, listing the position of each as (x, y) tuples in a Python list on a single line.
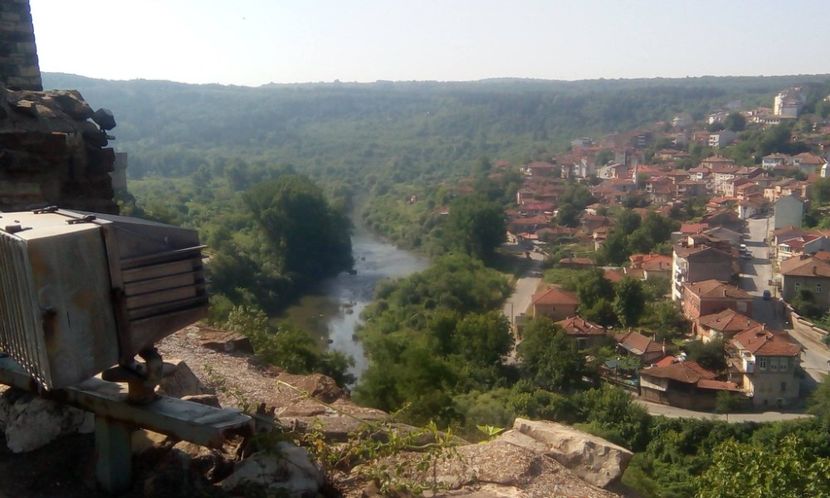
[(652, 265), (587, 334), (685, 384), (540, 168), (766, 362), (554, 303), (722, 325), (711, 296), (806, 273), (639, 346)]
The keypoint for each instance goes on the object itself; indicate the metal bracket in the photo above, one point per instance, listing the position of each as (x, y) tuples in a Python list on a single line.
[(141, 378), (84, 219), (47, 209)]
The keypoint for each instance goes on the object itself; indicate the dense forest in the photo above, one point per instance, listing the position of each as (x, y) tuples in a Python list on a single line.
[(384, 133)]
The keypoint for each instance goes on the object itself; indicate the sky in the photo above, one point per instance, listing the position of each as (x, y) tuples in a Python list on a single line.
[(254, 42)]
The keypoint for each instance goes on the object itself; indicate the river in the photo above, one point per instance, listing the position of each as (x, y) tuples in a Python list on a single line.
[(332, 311)]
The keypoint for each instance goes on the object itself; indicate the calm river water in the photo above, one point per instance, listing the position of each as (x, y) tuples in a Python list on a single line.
[(333, 311)]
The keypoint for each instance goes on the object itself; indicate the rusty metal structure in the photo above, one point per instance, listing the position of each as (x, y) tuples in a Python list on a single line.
[(82, 295), (82, 292)]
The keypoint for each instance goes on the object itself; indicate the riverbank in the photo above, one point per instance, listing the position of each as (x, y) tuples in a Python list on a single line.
[(331, 311)]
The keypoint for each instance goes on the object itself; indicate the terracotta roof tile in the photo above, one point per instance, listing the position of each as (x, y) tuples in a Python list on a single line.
[(555, 295), (762, 342), (637, 343), (727, 320), (576, 325), (687, 372), (805, 267), (716, 289)]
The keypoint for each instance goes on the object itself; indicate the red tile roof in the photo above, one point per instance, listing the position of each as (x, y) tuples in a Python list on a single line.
[(713, 289), (577, 261), (576, 325), (762, 342), (727, 320), (799, 266), (690, 228), (637, 343), (687, 372), (718, 385), (555, 295), (613, 275)]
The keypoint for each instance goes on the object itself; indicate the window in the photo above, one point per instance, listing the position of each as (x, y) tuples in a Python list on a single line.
[(818, 288), (797, 286), (783, 387), (762, 363)]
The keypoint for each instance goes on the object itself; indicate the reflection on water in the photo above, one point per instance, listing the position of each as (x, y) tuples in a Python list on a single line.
[(333, 312)]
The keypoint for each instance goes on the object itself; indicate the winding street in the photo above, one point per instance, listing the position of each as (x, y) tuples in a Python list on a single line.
[(754, 279), (675, 412)]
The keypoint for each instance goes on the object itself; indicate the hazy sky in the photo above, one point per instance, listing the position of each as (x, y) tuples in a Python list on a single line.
[(251, 42)]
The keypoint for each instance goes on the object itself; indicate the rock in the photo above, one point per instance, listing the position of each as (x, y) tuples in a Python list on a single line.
[(73, 104), (208, 462), (496, 469), (286, 470), (592, 458), (223, 341), (172, 473), (104, 118), (26, 107), (31, 422), (319, 386), (179, 380), (204, 399)]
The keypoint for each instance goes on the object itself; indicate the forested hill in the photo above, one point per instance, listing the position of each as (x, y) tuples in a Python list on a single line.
[(394, 131)]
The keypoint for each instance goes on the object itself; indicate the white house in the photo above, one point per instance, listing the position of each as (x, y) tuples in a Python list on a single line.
[(788, 210), (788, 103), (722, 138)]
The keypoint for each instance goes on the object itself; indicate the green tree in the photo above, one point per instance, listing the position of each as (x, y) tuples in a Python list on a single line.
[(819, 404), (550, 358), (629, 301), (710, 355), (726, 403), (735, 121), (593, 286), (664, 319), (476, 226), (787, 471), (484, 338), (287, 346), (600, 311), (307, 236)]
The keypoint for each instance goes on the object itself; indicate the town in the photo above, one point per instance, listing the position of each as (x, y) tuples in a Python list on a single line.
[(728, 250)]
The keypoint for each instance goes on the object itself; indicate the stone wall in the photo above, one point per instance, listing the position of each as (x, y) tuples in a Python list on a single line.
[(52, 154), (18, 56)]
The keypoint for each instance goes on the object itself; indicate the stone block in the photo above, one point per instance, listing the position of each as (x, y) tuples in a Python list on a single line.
[(592, 458)]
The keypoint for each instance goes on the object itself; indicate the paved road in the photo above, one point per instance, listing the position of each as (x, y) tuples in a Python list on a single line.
[(518, 303), (815, 360), (754, 279), (674, 412), (756, 274)]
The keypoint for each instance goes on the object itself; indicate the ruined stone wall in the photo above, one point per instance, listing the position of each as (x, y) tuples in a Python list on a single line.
[(18, 55), (52, 154)]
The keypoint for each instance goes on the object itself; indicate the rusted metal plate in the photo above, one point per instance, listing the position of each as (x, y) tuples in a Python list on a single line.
[(56, 286), (188, 421)]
